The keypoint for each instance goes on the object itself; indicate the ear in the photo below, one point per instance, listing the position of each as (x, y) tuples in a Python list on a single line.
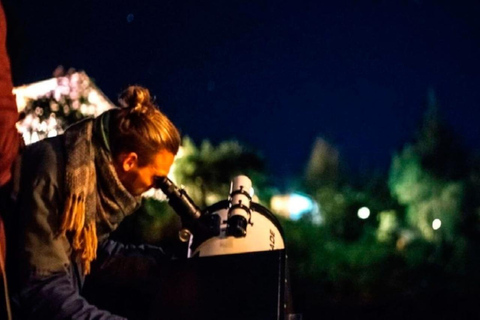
[(129, 161)]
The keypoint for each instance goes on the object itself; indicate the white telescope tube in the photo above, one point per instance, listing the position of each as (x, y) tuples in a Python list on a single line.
[(239, 209)]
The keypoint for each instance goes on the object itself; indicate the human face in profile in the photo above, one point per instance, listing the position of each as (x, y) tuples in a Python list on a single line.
[(139, 179)]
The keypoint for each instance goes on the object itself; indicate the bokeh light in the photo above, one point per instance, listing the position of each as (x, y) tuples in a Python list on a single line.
[(363, 213)]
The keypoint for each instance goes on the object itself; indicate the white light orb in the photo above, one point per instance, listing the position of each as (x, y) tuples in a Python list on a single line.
[(436, 224), (363, 213)]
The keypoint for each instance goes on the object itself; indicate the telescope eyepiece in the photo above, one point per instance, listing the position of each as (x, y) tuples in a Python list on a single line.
[(177, 198)]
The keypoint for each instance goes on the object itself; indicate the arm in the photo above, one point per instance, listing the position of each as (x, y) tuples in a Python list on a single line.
[(55, 296), (50, 283), (120, 262), (109, 249), (125, 278)]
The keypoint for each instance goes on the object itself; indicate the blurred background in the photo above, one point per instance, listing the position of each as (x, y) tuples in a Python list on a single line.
[(357, 122)]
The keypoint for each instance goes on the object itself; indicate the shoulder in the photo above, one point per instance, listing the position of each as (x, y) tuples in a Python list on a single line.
[(44, 159), (50, 147)]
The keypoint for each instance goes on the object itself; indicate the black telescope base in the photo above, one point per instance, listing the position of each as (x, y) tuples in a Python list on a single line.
[(238, 286)]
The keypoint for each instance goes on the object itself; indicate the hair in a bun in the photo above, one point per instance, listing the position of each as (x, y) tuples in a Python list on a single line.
[(134, 97), (140, 127)]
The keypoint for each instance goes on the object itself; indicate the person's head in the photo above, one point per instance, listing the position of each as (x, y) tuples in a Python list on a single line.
[(143, 141)]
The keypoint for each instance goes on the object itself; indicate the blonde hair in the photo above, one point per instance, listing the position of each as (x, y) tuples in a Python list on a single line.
[(140, 127)]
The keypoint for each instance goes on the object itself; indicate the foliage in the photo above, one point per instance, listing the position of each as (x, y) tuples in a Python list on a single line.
[(340, 198), (206, 171), (388, 225), (323, 167), (347, 261), (338, 207), (335, 271), (427, 178), (332, 274), (440, 150)]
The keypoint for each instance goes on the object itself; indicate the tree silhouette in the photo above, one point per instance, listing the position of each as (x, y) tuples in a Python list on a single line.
[(323, 166), (427, 177)]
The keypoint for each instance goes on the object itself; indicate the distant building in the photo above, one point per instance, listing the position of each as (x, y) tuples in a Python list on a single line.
[(46, 106)]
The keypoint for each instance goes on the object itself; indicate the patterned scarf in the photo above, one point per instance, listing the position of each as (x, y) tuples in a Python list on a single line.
[(96, 201)]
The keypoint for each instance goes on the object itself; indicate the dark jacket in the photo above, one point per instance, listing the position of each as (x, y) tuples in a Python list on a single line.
[(48, 282)]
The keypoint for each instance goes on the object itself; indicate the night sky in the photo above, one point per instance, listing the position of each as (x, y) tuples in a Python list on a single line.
[(272, 74)]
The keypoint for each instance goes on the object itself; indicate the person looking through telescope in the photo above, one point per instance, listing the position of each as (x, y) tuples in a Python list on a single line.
[(75, 189)]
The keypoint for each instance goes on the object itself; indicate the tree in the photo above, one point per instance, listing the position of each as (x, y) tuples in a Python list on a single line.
[(206, 171), (427, 177), (337, 200), (323, 166)]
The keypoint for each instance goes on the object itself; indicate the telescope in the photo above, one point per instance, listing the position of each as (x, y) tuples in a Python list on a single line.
[(236, 262), (235, 225)]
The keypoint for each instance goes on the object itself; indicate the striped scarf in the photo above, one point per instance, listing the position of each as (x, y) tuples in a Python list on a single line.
[(96, 201)]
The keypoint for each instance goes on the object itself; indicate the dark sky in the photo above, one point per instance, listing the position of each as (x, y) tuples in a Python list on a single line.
[(272, 74)]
